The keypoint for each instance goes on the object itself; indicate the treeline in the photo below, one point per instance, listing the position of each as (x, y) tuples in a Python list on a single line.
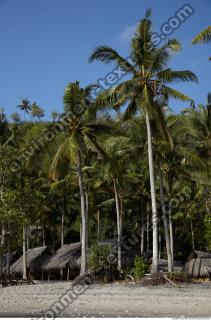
[(88, 175)]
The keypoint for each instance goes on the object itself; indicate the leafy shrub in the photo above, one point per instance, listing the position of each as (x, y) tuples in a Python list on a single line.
[(141, 267), (103, 260)]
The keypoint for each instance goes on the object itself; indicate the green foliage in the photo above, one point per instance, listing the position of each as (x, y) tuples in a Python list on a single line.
[(207, 222), (103, 260), (36, 111), (141, 267)]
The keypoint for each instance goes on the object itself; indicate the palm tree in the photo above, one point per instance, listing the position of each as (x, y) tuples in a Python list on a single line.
[(16, 118), (203, 37), (148, 66), (54, 115), (25, 106), (81, 131), (36, 111), (199, 120), (115, 165)]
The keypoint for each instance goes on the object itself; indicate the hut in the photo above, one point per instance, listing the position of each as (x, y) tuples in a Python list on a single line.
[(163, 266), (65, 263), (35, 259), (198, 265)]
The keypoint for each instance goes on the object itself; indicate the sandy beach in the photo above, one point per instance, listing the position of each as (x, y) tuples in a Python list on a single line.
[(126, 300)]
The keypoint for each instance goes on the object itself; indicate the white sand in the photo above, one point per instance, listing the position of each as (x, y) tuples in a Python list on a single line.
[(109, 300)]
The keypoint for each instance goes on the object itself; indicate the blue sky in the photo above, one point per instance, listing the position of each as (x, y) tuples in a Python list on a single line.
[(46, 43)]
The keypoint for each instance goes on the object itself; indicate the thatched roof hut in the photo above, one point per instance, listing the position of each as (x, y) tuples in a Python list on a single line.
[(163, 265), (35, 258), (69, 255), (198, 265)]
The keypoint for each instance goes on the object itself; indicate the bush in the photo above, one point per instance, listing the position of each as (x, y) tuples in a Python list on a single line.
[(103, 261), (141, 267)]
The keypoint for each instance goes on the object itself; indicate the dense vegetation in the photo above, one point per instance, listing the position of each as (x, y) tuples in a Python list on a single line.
[(92, 174)]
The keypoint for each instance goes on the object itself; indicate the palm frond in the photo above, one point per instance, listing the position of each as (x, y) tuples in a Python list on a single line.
[(173, 93), (141, 43), (162, 55), (203, 37), (169, 75), (131, 110), (107, 54)]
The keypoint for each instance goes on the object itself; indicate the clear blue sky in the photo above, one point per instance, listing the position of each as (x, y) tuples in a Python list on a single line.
[(46, 43)]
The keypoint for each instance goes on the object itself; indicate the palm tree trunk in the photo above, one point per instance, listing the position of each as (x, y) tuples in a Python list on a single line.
[(159, 242), (118, 226), (147, 231), (192, 236), (8, 256), (43, 233), (2, 244), (165, 223), (62, 230), (63, 218), (83, 215), (121, 214), (98, 225), (87, 220), (27, 237), (142, 228), (153, 199), (171, 237), (24, 254), (35, 237)]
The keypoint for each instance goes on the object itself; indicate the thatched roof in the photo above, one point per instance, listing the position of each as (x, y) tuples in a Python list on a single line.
[(35, 258), (67, 255), (163, 265), (198, 265)]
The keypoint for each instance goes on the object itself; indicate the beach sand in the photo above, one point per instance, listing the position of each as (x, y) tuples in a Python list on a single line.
[(126, 300)]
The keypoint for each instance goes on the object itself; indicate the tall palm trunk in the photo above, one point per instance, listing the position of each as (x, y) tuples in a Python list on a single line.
[(87, 220), (8, 256), (142, 227), (62, 230), (165, 223), (171, 236), (118, 226), (43, 232), (63, 217), (27, 237), (147, 231), (2, 245), (153, 199), (98, 225), (24, 254), (192, 236), (83, 216), (121, 214)]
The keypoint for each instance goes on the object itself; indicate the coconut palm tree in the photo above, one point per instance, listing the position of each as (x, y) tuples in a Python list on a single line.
[(55, 116), (199, 120), (80, 133), (25, 106), (36, 111), (203, 37), (148, 66)]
